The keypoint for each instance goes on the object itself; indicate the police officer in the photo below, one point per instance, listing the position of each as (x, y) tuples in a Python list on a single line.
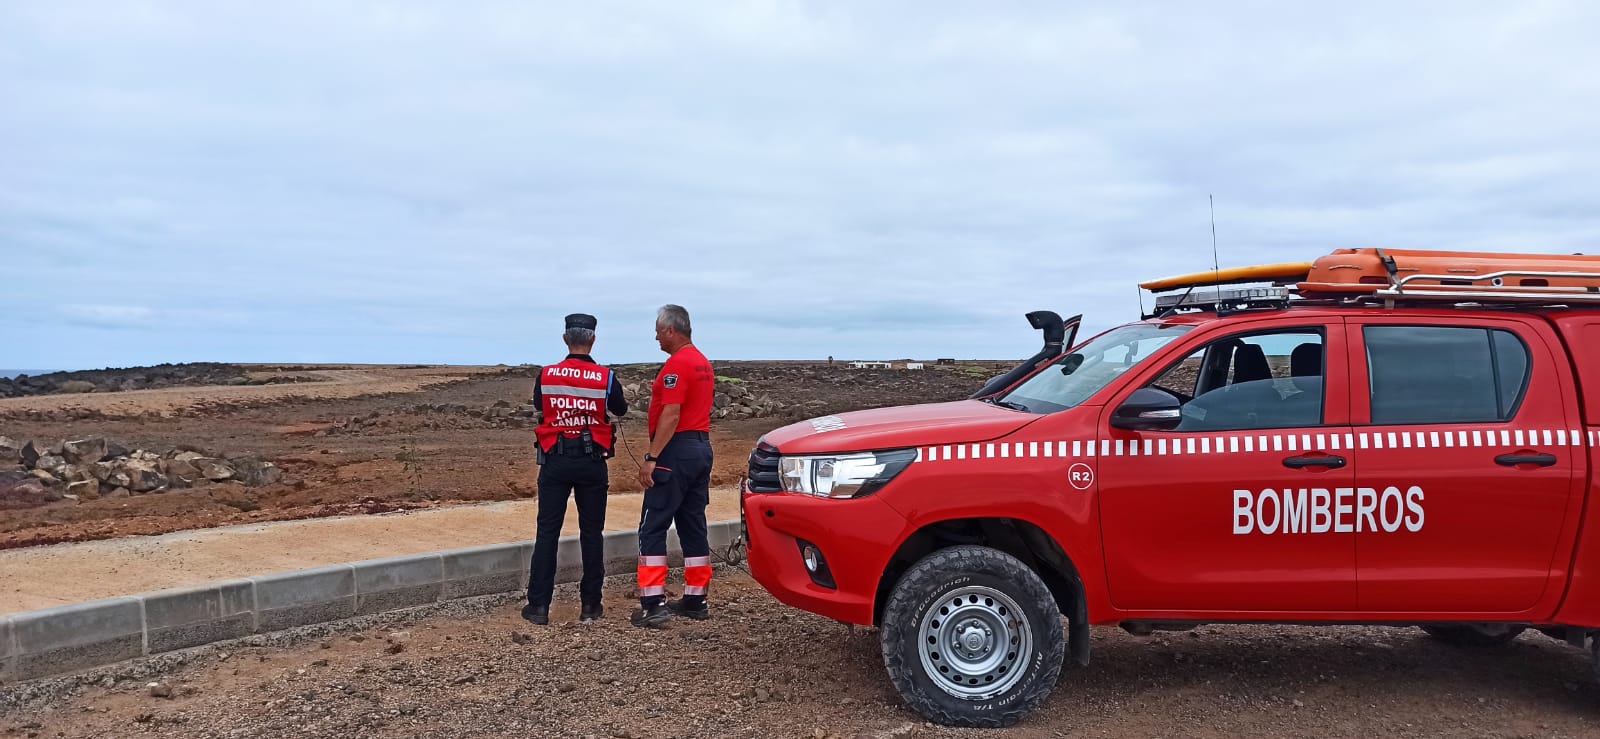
[(575, 439), (676, 475)]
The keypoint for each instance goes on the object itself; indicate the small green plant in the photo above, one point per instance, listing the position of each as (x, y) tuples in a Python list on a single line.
[(730, 380)]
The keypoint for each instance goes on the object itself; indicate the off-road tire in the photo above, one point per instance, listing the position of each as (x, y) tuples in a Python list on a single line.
[(1474, 635), (927, 586)]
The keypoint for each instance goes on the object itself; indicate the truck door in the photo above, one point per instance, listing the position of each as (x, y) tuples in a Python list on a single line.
[(1465, 460), (1233, 510)]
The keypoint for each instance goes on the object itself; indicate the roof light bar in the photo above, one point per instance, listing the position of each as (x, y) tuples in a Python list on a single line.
[(1208, 298)]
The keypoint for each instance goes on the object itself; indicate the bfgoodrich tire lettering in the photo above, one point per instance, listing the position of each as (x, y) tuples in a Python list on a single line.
[(989, 618)]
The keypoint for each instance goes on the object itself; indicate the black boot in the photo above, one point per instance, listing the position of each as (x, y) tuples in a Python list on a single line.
[(536, 615), (694, 608), (591, 613), (652, 617)]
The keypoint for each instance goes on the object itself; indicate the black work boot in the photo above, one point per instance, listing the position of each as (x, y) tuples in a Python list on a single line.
[(651, 617), (536, 615), (591, 613), (694, 608)]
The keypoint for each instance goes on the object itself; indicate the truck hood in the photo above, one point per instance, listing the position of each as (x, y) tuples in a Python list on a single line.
[(962, 421)]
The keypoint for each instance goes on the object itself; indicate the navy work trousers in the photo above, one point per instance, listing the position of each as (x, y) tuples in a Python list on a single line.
[(680, 492), (583, 477)]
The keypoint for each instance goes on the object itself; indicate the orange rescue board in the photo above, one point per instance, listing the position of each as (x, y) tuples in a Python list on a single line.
[(1236, 275), (1358, 271)]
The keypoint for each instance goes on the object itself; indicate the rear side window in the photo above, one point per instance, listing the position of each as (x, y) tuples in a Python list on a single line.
[(1432, 374)]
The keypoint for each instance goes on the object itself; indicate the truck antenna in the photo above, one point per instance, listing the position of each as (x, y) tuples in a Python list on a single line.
[(1216, 267)]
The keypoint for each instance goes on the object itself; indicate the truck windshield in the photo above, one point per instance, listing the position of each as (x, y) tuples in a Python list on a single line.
[(1073, 377)]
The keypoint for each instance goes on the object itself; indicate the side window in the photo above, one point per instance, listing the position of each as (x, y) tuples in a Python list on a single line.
[(1433, 374), (1254, 381)]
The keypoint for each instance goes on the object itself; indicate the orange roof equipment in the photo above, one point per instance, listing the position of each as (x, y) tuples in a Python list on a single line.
[(1453, 275), (1365, 276)]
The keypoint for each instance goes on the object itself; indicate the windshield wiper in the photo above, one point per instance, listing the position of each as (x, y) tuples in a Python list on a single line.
[(1012, 406)]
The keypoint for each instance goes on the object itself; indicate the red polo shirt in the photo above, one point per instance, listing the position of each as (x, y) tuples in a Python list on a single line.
[(688, 381)]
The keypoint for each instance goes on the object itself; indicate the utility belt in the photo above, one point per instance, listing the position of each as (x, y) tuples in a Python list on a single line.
[(583, 445), (680, 443)]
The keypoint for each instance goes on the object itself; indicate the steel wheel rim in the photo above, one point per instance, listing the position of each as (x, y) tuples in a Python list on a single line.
[(974, 642)]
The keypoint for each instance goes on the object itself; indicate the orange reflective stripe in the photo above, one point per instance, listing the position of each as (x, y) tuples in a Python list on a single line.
[(652, 577), (697, 576)]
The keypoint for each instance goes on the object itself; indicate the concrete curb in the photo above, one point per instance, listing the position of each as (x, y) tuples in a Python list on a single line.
[(54, 641)]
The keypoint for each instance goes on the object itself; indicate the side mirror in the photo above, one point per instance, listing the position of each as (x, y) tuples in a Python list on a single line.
[(1148, 409)]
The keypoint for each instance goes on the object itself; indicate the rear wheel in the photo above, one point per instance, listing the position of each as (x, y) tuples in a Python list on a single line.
[(1475, 635), (972, 637)]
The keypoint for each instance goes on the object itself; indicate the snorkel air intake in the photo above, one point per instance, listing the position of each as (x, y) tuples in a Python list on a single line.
[(1055, 332)]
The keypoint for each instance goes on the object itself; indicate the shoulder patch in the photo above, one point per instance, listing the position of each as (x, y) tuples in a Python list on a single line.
[(669, 382)]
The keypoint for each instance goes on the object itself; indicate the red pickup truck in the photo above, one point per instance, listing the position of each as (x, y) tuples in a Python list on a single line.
[(1379, 437)]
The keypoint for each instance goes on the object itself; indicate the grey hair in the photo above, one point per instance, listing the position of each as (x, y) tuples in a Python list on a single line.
[(674, 317), (579, 337)]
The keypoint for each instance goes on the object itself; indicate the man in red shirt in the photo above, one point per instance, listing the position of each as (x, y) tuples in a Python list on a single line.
[(676, 475)]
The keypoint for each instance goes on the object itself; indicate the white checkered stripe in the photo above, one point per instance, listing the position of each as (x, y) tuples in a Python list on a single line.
[(1170, 445)]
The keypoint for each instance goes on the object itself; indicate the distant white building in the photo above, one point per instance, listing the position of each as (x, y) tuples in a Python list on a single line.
[(913, 365), (869, 365)]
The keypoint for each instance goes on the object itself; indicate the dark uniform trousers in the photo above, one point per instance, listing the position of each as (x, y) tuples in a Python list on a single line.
[(582, 476), (679, 494)]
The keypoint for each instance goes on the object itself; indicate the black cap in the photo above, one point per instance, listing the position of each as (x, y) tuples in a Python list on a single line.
[(581, 320)]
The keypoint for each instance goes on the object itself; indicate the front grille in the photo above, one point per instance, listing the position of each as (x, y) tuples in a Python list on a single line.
[(764, 469)]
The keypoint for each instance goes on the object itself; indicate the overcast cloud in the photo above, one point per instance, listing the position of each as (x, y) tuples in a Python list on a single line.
[(441, 182)]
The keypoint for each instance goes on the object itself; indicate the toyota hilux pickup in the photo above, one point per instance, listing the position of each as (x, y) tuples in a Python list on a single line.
[(1376, 437)]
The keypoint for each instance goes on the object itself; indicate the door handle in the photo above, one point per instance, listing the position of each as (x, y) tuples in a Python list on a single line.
[(1329, 461), (1513, 460)]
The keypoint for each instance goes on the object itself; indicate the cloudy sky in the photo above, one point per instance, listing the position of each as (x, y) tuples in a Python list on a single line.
[(440, 182)]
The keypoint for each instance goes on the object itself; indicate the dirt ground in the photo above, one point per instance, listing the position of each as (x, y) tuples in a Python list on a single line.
[(421, 446), (760, 669)]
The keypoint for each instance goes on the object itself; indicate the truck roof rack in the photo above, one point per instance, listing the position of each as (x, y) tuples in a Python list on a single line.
[(1388, 277)]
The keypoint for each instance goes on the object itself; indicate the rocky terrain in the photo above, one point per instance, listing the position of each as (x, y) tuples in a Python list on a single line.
[(360, 440), (144, 378), (760, 669)]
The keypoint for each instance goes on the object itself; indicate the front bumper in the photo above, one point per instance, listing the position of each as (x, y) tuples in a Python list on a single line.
[(856, 536)]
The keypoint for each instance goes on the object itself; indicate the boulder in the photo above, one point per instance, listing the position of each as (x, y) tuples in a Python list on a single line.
[(144, 479), (117, 477), (10, 451), (52, 464), (214, 470), (29, 454), (101, 470), (114, 450), (255, 473), (76, 386), (84, 489), (84, 451), (182, 472), (78, 473), (45, 477)]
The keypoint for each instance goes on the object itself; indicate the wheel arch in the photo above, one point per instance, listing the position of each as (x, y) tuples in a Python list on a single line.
[(1026, 541)]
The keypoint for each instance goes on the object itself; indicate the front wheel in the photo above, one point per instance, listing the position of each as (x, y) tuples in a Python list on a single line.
[(1475, 635), (972, 637)]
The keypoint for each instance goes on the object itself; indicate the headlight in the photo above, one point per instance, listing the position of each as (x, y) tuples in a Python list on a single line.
[(843, 475)]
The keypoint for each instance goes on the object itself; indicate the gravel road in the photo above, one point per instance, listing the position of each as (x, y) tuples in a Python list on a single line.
[(760, 669)]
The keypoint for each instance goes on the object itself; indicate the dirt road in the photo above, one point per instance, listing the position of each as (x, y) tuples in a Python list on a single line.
[(759, 669)]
